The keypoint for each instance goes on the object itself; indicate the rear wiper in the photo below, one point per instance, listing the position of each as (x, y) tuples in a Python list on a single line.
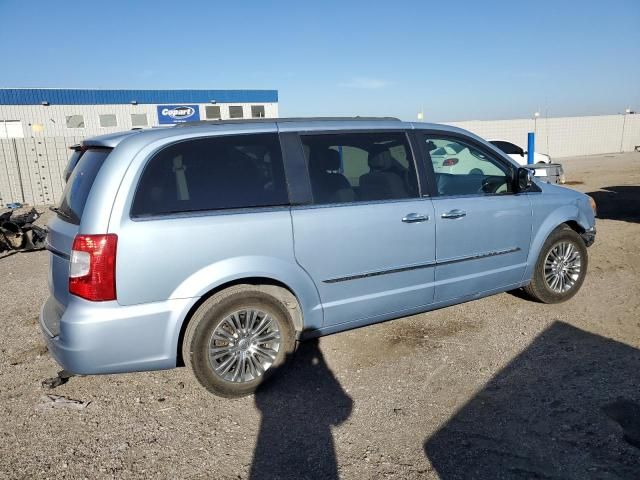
[(63, 214)]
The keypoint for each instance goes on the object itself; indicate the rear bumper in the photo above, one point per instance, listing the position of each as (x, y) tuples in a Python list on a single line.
[(105, 337), (589, 236)]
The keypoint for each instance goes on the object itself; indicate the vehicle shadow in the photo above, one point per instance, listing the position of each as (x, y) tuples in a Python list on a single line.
[(567, 407), (299, 406), (618, 203)]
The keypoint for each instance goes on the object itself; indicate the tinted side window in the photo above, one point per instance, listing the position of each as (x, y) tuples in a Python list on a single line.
[(257, 111), (212, 111), (354, 167), (462, 169), (237, 171), (235, 112)]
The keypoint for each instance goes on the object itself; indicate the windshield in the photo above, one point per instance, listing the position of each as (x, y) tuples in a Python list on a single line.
[(79, 184)]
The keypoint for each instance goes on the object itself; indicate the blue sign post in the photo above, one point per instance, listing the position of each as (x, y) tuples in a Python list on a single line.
[(169, 114), (531, 147)]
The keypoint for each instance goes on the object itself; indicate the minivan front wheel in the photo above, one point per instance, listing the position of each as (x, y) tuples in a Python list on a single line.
[(237, 339), (560, 268)]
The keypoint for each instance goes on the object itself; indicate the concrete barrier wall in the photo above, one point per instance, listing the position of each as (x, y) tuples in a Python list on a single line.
[(564, 136), (31, 168)]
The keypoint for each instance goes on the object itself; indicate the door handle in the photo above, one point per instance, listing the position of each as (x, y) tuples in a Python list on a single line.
[(414, 218), (457, 213)]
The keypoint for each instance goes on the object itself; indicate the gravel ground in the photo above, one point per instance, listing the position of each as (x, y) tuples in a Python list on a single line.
[(496, 388)]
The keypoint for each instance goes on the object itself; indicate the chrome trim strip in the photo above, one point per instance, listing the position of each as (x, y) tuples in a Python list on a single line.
[(313, 206), (209, 213), (422, 265), (382, 272), (482, 255)]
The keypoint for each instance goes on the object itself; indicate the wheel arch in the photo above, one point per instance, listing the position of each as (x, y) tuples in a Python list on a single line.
[(269, 285), (575, 226), (568, 215)]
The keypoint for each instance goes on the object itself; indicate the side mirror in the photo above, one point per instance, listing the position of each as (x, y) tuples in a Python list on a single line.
[(522, 152), (525, 179)]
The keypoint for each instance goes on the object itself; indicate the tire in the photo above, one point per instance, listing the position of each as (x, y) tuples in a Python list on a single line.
[(215, 315), (542, 290)]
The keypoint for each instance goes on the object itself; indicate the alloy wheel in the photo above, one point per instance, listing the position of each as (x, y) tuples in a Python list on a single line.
[(562, 267), (244, 345)]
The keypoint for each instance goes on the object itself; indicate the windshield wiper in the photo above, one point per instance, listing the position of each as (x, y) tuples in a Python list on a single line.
[(63, 214)]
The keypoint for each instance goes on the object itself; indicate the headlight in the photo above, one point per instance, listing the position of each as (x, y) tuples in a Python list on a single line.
[(592, 202)]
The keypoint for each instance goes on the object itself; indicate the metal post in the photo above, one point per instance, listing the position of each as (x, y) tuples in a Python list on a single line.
[(531, 147), (624, 121)]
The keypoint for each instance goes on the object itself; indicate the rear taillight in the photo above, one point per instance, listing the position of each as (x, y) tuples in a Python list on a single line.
[(92, 268), (449, 162)]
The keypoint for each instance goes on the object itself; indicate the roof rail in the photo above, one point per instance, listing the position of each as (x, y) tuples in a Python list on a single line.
[(286, 119)]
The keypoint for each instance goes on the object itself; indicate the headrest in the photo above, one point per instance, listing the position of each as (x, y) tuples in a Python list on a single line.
[(381, 160), (325, 160)]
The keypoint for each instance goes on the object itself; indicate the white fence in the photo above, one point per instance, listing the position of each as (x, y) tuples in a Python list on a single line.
[(31, 168), (564, 136)]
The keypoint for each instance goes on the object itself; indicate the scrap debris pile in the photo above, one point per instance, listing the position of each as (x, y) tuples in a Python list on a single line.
[(17, 230)]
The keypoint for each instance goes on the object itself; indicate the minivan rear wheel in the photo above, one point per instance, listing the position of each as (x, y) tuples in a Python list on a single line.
[(237, 339), (560, 268)]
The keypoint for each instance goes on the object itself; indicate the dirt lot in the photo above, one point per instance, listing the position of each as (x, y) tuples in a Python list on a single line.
[(496, 388)]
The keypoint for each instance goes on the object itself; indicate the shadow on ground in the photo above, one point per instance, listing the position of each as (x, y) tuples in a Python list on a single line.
[(298, 409), (567, 407), (618, 203)]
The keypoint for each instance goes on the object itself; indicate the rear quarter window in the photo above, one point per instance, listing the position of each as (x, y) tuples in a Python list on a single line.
[(238, 171), (79, 184)]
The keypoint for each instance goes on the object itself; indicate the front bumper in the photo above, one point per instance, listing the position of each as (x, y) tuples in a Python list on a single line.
[(589, 236), (106, 337)]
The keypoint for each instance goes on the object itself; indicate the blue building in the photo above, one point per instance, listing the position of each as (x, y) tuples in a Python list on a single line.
[(38, 125), (53, 112)]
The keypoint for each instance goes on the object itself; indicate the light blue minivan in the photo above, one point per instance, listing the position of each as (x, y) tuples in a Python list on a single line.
[(218, 245)]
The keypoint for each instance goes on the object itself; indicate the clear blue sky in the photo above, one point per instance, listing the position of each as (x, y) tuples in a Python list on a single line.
[(460, 60)]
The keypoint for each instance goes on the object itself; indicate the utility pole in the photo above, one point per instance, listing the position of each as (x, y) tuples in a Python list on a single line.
[(624, 121)]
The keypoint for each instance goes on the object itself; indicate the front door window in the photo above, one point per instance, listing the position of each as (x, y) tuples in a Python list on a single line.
[(462, 169)]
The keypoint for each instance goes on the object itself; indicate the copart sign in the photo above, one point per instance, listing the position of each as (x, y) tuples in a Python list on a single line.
[(177, 113)]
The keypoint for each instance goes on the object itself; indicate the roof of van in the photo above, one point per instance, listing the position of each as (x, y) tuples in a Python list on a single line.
[(264, 124), (289, 119)]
